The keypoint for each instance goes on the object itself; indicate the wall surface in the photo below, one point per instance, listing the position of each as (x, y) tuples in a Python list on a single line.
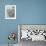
[(27, 12)]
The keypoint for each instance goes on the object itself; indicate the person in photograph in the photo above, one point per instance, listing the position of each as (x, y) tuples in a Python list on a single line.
[(11, 11)]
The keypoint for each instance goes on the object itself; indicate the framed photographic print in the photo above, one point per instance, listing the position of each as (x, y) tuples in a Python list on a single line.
[(31, 32), (10, 11)]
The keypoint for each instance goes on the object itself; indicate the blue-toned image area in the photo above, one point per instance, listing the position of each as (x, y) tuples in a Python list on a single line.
[(27, 12), (7, 25)]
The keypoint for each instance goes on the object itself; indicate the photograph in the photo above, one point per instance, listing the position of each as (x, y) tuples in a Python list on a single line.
[(28, 34), (10, 11)]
